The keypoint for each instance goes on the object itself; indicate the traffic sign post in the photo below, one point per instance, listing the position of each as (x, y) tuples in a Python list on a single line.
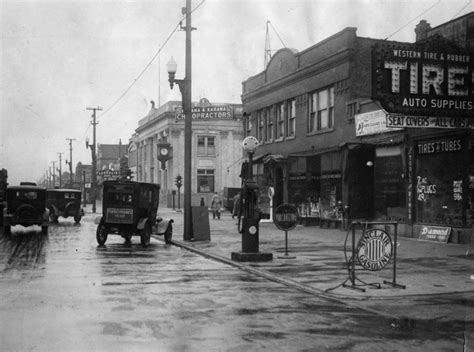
[(286, 218)]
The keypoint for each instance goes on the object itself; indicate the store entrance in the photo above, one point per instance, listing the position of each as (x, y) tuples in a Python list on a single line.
[(360, 179)]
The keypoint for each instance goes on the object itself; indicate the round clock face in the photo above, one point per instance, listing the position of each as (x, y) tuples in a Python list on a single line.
[(164, 151)]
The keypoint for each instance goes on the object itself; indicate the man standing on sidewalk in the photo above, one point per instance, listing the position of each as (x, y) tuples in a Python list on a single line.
[(216, 205)]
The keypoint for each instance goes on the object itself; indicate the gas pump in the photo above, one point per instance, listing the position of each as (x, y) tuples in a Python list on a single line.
[(249, 216)]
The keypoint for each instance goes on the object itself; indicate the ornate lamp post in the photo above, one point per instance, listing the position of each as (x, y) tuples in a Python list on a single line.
[(185, 89)]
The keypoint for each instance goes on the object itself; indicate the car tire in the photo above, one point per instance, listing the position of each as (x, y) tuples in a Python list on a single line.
[(44, 230), (77, 218), (145, 235), (101, 234), (168, 234)]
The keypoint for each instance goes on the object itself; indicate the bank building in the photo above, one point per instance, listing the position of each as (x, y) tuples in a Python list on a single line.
[(156, 150)]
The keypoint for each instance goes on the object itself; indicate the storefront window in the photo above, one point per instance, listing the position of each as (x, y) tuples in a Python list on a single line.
[(205, 179), (439, 181)]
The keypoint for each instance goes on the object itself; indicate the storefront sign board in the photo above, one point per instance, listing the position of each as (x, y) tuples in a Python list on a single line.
[(395, 121), (207, 113), (435, 233), (432, 78), (373, 122)]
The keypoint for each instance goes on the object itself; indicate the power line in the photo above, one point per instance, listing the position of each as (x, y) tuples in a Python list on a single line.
[(413, 20), (457, 13), (178, 26)]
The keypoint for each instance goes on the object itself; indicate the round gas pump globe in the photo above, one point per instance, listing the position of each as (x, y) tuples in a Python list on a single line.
[(252, 230), (250, 144)]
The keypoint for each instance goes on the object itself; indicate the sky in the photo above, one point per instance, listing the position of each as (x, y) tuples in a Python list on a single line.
[(60, 57)]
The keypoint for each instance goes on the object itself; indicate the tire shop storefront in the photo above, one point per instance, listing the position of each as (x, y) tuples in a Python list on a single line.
[(427, 89)]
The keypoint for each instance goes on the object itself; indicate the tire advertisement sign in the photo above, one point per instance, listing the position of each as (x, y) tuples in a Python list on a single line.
[(435, 233), (429, 79)]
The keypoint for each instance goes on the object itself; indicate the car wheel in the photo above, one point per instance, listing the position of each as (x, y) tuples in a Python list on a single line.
[(145, 236), (169, 234), (77, 218), (101, 234), (44, 230)]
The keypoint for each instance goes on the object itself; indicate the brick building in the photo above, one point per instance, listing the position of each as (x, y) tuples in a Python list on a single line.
[(324, 137)]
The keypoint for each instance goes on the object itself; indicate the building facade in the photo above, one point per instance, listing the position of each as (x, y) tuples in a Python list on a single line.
[(325, 138), (216, 149)]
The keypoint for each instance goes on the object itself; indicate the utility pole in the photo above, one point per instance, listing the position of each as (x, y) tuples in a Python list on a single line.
[(60, 171), (94, 157), (70, 161), (185, 88), (188, 132), (54, 174)]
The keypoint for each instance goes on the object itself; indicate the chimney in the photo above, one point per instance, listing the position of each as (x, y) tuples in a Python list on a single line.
[(421, 30)]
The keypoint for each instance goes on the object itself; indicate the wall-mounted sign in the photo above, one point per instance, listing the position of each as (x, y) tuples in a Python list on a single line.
[(439, 146), (435, 233), (433, 78), (397, 121), (372, 123), (207, 113)]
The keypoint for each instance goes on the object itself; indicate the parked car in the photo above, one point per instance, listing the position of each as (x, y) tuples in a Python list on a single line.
[(129, 209), (26, 205), (64, 202)]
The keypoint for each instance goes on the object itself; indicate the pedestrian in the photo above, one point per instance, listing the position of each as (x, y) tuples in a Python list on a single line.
[(236, 208), (216, 205), (202, 202)]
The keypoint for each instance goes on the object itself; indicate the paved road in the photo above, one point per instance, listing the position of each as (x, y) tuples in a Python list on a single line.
[(62, 292)]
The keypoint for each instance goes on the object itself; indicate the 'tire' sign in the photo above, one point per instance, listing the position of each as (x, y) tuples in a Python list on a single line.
[(432, 78)]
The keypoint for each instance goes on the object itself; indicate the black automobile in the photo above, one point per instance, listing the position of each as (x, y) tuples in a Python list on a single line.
[(65, 203), (130, 209), (26, 206)]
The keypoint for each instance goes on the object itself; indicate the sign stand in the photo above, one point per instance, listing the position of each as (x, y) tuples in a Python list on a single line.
[(286, 218), (286, 256), (394, 278), (371, 245)]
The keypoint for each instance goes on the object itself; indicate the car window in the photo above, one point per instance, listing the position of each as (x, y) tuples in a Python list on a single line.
[(26, 195), (120, 198)]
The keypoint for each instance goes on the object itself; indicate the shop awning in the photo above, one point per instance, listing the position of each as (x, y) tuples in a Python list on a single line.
[(278, 158), (376, 140), (314, 152)]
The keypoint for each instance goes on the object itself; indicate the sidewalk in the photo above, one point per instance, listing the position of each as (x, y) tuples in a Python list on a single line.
[(319, 264)]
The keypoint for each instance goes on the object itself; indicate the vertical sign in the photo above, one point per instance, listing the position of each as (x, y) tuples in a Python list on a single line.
[(410, 183)]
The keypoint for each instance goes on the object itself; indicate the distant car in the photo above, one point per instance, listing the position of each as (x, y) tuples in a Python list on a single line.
[(130, 209), (65, 203), (26, 206)]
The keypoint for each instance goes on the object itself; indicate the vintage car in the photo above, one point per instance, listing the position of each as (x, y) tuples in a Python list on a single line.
[(129, 209), (64, 202), (26, 206)]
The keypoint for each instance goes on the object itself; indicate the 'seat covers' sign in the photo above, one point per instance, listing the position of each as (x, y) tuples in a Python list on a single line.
[(433, 79)]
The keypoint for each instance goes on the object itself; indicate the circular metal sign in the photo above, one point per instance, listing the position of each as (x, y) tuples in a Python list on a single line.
[(250, 144), (374, 249), (285, 217)]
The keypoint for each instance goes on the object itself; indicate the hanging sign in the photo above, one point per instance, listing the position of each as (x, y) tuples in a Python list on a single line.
[(374, 249)]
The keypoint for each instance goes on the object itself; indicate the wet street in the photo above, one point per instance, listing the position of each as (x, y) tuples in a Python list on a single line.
[(61, 292)]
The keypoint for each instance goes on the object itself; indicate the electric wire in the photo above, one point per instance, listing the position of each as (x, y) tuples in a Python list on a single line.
[(414, 19), (178, 26), (462, 9)]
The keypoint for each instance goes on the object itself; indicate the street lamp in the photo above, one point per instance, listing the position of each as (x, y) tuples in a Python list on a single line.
[(185, 89)]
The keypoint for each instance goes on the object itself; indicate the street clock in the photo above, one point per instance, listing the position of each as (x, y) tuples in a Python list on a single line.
[(164, 153)]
